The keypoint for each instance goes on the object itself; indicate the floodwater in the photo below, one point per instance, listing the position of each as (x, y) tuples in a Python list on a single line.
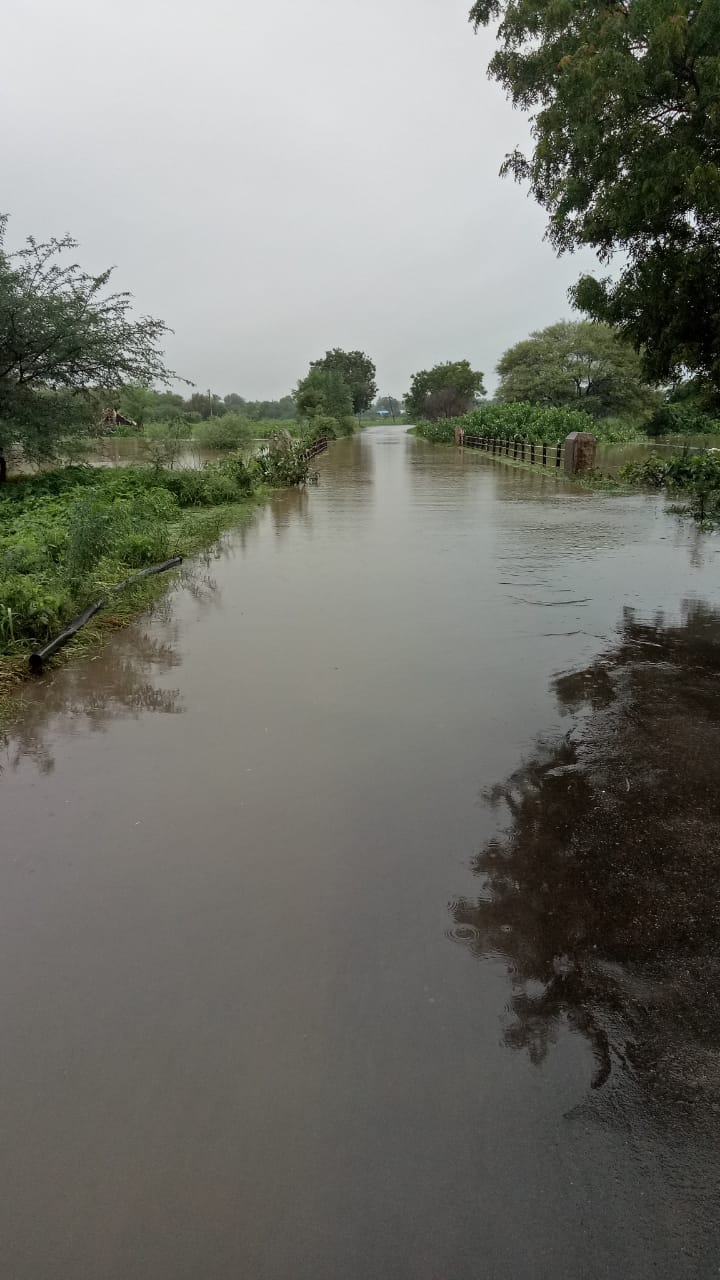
[(360, 907)]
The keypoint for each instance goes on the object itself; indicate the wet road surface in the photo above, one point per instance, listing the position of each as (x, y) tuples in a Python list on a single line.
[(360, 908)]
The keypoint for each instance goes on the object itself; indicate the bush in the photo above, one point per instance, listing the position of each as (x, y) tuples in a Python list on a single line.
[(696, 475), (231, 431), (32, 607), (282, 463), (682, 419), (164, 441), (324, 427)]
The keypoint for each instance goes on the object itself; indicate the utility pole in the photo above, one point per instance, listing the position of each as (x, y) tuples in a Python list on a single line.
[(210, 399)]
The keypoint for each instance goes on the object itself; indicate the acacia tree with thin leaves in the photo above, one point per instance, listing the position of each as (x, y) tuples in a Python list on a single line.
[(65, 343)]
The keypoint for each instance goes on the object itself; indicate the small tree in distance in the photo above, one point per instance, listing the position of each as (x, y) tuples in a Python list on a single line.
[(445, 391)]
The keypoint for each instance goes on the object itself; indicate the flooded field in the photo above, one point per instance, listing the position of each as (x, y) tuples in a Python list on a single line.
[(360, 907)]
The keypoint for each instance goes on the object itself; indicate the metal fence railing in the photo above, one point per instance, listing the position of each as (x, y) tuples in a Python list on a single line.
[(540, 455)]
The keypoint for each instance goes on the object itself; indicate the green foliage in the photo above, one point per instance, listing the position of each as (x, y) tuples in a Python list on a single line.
[(445, 391), (357, 371), (624, 100), (282, 410), (682, 419), (64, 340), (231, 431), (164, 442), (323, 426), (576, 365), (282, 462), (530, 422), (697, 476), (65, 535), (143, 404), (324, 392)]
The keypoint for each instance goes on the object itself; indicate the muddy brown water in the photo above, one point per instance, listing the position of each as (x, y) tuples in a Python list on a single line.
[(360, 907)]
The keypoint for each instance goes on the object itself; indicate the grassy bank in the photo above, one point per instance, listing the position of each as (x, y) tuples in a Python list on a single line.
[(67, 536)]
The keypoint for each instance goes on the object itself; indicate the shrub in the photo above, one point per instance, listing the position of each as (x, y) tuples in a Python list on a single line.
[(324, 427), (33, 608), (282, 463), (90, 522), (231, 431), (696, 475), (164, 441), (682, 419)]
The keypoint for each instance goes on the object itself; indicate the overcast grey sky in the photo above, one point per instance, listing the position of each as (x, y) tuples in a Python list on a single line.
[(275, 179)]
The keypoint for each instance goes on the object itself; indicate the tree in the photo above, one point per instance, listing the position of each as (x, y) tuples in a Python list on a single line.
[(65, 343), (627, 152), (324, 391), (445, 391), (576, 365), (205, 406), (357, 371)]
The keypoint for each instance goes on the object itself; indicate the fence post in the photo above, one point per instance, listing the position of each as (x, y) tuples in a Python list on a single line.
[(460, 437), (544, 455), (532, 453), (579, 451), (558, 455)]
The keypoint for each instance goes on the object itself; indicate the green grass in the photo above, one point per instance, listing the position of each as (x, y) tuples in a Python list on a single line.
[(67, 536)]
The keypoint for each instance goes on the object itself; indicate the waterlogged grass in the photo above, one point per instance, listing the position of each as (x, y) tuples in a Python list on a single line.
[(68, 536)]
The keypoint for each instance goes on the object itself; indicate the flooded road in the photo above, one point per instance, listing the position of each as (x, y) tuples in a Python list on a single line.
[(360, 908)]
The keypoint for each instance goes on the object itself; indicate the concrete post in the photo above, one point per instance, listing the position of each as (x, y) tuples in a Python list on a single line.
[(459, 437), (579, 453)]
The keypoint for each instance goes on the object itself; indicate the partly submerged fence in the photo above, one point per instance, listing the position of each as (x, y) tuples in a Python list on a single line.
[(575, 454), (545, 455), (317, 446)]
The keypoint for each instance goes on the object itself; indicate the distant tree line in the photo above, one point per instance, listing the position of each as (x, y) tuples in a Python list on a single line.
[(142, 404)]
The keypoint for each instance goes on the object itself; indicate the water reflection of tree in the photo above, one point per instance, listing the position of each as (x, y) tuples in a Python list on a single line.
[(603, 893)]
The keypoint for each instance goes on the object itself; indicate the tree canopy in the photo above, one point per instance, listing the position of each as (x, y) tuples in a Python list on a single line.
[(576, 365), (624, 100), (324, 392), (63, 337), (445, 391), (358, 372)]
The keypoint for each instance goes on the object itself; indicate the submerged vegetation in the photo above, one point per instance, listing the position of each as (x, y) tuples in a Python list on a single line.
[(69, 534), (695, 478)]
